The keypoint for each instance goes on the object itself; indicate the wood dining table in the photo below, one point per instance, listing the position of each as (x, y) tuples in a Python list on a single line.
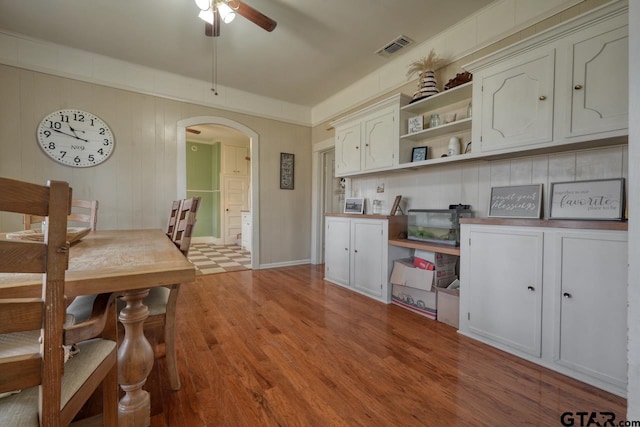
[(129, 262)]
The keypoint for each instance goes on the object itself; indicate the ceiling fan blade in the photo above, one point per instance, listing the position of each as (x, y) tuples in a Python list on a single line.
[(253, 15), (197, 132)]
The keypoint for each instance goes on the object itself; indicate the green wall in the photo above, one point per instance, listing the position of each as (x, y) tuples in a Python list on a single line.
[(203, 180)]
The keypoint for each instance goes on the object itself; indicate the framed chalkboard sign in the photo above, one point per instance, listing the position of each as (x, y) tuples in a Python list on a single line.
[(516, 201)]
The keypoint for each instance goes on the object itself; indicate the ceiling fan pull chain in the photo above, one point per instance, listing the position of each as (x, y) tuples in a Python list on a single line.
[(214, 67)]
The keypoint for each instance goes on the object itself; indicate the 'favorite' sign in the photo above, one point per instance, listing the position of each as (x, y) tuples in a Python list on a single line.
[(600, 199), (516, 201)]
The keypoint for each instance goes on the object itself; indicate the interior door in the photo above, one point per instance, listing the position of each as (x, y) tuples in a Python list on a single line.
[(234, 200)]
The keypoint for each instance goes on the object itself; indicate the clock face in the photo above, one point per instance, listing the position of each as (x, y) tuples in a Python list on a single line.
[(75, 138)]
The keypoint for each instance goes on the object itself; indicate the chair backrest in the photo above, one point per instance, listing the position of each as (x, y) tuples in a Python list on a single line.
[(185, 223), (50, 258), (173, 218), (86, 211)]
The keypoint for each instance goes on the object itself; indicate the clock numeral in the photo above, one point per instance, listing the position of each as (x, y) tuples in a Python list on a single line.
[(91, 159), (106, 142), (47, 133), (55, 125), (101, 152), (64, 118), (78, 117), (52, 146), (64, 153), (76, 159)]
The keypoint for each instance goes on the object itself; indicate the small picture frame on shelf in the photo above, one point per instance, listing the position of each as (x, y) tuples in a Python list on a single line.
[(396, 206), (354, 205), (416, 124), (419, 154)]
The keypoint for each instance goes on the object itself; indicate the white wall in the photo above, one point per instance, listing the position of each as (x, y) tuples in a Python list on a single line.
[(470, 182), (136, 185)]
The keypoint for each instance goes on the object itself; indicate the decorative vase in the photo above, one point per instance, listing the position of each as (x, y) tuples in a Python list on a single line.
[(426, 85)]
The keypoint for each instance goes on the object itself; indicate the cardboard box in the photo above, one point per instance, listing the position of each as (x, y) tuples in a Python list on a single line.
[(448, 304), (436, 258), (412, 288), (405, 274), (417, 300)]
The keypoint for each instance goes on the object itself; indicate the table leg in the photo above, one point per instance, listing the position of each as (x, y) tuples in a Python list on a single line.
[(135, 360)]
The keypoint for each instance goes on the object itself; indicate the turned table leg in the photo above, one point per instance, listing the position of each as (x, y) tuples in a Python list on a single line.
[(135, 360)]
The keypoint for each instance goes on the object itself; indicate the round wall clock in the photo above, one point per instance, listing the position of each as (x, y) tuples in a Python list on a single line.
[(75, 138)]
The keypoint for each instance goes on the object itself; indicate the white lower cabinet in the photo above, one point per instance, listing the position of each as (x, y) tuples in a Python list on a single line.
[(505, 286), (357, 253), (246, 230), (554, 296)]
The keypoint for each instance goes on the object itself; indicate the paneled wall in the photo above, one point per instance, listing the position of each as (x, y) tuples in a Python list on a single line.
[(136, 185), (470, 182), (203, 180)]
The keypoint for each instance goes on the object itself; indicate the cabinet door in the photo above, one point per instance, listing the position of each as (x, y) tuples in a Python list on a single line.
[(517, 103), (234, 160), (337, 249), (600, 84), (367, 256), (505, 287), (379, 141), (347, 143), (591, 293)]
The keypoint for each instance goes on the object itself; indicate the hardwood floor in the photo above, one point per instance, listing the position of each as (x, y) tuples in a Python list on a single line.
[(282, 347)]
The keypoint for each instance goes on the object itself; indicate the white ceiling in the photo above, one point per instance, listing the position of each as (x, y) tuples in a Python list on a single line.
[(318, 48)]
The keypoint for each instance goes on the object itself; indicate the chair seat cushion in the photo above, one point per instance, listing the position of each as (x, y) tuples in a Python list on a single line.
[(22, 409)]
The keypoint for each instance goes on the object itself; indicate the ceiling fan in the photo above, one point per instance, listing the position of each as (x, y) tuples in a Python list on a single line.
[(214, 11)]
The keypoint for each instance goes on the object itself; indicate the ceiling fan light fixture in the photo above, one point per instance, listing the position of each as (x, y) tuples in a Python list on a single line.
[(203, 4), (226, 13), (206, 15)]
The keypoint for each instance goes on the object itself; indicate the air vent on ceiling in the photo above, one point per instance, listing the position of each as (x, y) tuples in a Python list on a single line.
[(394, 45)]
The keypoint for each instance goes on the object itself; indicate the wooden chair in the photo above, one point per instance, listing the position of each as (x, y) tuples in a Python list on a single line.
[(162, 301), (31, 330), (88, 214)]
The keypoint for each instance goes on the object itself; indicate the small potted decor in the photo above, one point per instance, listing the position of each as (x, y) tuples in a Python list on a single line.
[(425, 68)]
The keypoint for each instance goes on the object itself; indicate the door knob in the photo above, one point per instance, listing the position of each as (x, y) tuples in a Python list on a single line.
[(566, 295), (542, 98), (577, 87), (531, 288)]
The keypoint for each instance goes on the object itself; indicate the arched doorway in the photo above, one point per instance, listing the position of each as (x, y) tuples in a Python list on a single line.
[(254, 187)]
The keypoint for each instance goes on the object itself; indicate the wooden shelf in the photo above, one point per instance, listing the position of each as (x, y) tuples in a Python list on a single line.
[(457, 126), (442, 99), (432, 247)]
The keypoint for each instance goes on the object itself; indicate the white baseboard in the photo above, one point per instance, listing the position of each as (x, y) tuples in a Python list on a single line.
[(285, 264)]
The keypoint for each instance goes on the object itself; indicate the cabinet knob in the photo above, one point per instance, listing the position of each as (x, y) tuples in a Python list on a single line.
[(577, 87), (542, 97), (366, 145), (357, 147), (355, 250), (566, 295), (346, 249), (531, 288)]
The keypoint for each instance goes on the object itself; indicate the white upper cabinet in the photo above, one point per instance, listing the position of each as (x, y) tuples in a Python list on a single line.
[(517, 102), (563, 86), (599, 85), (234, 160), (367, 140)]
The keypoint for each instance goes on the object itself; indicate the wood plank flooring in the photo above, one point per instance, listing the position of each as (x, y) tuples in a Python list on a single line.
[(282, 347)]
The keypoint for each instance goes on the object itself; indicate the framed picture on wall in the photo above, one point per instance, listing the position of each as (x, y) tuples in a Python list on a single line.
[(287, 169), (419, 154)]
